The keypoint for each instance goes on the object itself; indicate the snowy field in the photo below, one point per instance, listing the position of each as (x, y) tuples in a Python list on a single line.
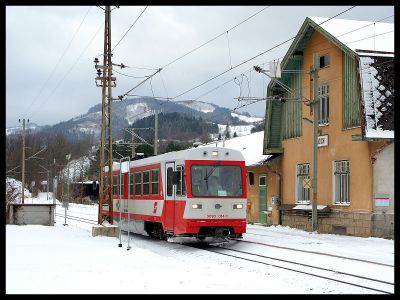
[(68, 260)]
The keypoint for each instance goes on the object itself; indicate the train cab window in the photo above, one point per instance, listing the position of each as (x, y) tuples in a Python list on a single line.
[(169, 181), (154, 182), (216, 180), (146, 182), (138, 183), (131, 180), (181, 186), (115, 185)]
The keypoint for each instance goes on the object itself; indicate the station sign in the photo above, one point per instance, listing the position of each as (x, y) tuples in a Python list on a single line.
[(323, 140)]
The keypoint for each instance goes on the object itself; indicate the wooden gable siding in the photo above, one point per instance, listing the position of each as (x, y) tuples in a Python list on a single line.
[(351, 93), (292, 109)]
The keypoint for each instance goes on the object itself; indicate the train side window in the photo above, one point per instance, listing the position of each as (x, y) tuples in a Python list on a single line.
[(138, 183), (154, 182), (115, 185), (146, 182), (131, 184), (169, 181), (181, 186)]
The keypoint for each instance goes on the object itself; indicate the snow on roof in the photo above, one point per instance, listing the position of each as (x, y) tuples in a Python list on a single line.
[(377, 75), (376, 36), (250, 145), (374, 44)]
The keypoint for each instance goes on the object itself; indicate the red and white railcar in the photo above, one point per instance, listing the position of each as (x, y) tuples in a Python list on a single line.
[(191, 195)]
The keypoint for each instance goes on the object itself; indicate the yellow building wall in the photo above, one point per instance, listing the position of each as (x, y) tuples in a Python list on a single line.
[(253, 208), (340, 144)]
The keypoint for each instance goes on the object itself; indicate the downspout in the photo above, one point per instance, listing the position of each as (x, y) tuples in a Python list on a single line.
[(279, 191)]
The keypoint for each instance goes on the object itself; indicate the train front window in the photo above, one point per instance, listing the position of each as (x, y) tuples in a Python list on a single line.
[(216, 180)]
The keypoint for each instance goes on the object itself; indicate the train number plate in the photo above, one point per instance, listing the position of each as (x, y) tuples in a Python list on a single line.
[(220, 216)]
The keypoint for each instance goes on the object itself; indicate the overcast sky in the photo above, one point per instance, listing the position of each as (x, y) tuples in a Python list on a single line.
[(50, 74)]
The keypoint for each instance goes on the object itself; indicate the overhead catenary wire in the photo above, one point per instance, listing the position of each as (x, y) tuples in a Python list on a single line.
[(342, 34), (270, 49), (250, 59), (209, 41), (169, 98)]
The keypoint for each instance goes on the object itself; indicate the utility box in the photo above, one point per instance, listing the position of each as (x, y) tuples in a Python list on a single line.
[(31, 214)]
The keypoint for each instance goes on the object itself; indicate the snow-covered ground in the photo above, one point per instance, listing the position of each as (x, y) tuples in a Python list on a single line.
[(67, 259)]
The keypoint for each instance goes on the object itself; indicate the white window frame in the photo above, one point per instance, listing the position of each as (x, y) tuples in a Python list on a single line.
[(181, 186), (131, 184), (302, 192), (259, 180), (341, 182), (323, 96)]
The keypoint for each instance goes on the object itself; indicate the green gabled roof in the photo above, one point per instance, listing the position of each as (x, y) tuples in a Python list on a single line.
[(300, 43)]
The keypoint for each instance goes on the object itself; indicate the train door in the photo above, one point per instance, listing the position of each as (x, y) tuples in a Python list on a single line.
[(169, 197), (262, 198)]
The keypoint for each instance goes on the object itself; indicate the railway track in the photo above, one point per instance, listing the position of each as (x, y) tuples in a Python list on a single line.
[(384, 287), (84, 220), (313, 252)]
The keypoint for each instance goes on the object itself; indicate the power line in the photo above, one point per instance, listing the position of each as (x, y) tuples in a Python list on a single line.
[(225, 32), (73, 66), (276, 46), (129, 29), (59, 60), (169, 98), (129, 75)]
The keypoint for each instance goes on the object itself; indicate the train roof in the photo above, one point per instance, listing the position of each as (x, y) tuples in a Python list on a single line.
[(203, 153)]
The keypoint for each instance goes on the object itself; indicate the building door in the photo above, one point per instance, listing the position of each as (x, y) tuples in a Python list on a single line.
[(262, 198), (169, 197)]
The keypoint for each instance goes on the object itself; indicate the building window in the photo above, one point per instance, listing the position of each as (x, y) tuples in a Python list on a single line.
[(303, 192), (138, 183), (341, 178), (181, 186), (262, 180), (324, 61), (154, 182), (323, 95)]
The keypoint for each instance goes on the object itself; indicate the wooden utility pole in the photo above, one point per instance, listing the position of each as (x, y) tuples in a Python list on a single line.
[(315, 103), (106, 182)]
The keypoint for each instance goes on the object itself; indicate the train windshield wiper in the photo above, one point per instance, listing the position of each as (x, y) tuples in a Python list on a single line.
[(208, 174)]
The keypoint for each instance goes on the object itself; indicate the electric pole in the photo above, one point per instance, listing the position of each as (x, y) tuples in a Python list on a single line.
[(133, 154), (315, 103), (23, 159), (156, 133), (107, 81)]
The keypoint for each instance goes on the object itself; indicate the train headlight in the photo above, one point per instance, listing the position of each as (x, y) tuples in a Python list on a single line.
[(237, 206), (197, 206), (214, 153)]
